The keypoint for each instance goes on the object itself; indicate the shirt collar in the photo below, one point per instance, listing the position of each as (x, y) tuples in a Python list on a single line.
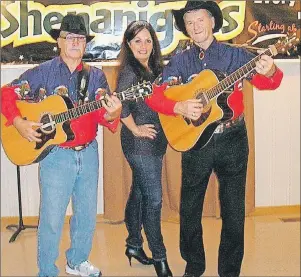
[(60, 62), (211, 47)]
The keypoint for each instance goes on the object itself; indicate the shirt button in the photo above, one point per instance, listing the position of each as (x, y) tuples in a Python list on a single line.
[(205, 64)]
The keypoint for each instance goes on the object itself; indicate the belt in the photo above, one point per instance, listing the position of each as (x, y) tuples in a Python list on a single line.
[(227, 124), (79, 147)]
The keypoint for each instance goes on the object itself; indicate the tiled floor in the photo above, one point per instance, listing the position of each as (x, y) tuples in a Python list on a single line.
[(272, 248)]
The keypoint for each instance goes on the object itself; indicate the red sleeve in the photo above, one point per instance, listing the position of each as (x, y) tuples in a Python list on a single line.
[(112, 126), (263, 82), (8, 104), (159, 103)]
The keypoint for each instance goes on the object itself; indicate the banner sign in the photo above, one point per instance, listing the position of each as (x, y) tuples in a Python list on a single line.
[(25, 25)]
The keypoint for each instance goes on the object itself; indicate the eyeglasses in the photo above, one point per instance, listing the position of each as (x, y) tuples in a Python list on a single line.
[(71, 38)]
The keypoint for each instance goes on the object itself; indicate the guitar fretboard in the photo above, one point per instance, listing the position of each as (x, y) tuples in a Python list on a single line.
[(133, 93), (235, 76), (77, 111)]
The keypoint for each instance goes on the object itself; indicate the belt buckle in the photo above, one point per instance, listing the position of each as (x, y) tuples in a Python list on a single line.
[(79, 148)]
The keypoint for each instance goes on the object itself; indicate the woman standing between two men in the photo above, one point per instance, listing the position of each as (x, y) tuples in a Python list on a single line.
[(144, 145)]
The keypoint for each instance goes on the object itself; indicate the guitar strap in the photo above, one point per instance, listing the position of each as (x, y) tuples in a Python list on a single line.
[(82, 83)]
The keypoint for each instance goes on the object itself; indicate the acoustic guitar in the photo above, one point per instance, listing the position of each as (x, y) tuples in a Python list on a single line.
[(55, 112), (213, 89)]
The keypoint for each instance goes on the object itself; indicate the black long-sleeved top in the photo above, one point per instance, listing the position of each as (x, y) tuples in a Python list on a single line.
[(142, 114)]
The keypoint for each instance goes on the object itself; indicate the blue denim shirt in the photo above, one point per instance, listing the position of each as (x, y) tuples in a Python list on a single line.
[(218, 56), (55, 73), (54, 77)]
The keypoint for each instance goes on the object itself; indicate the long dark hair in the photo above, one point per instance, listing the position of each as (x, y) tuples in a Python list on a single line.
[(127, 57)]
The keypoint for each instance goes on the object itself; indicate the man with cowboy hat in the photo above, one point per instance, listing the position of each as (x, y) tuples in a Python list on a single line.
[(71, 169), (226, 153)]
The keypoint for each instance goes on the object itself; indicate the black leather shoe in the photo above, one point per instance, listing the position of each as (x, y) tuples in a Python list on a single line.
[(162, 269), (138, 254)]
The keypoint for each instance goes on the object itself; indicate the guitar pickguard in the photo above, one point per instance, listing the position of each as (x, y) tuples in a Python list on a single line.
[(206, 136), (48, 131), (222, 102), (67, 129), (44, 137), (66, 125)]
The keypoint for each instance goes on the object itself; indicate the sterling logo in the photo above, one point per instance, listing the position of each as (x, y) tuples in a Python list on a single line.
[(27, 22)]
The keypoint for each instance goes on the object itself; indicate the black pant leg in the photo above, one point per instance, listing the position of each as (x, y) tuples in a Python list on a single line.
[(196, 170), (231, 167)]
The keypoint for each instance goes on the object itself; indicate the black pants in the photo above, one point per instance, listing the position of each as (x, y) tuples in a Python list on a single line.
[(227, 155)]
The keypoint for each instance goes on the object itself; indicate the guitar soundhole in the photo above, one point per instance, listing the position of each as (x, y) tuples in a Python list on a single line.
[(202, 118), (204, 99), (44, 138)]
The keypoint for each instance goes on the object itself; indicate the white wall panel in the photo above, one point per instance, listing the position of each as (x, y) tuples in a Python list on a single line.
[(277, 140)]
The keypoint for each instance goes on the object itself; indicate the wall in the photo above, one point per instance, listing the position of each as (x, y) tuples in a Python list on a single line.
[(277, 149), (277, 140)]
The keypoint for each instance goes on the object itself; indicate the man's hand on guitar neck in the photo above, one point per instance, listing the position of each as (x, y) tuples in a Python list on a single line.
[(265, 66), (26, 129), (113, 107), (191, 108)]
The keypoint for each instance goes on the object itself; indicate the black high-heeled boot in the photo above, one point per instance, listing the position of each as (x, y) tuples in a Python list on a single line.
[(162, 269), (138, 254)]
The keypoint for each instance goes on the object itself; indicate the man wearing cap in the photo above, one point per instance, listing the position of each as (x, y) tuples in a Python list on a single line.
[(227, 151), (70, 170)]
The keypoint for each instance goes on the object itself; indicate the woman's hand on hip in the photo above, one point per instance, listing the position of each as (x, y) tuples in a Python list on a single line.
[(145, 131)]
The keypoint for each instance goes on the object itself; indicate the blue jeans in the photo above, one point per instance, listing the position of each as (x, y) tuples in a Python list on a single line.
[(65, 174), (144, 204)]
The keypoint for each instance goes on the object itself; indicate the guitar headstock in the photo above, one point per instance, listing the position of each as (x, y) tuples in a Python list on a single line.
[(285, 44), (141, 90)]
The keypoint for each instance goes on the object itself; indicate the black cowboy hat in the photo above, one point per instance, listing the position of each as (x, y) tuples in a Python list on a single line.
[(74, 24), (210, 6)]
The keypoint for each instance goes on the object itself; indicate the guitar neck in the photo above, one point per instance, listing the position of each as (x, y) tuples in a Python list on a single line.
[(237, 75), (77, 111), (133, 93)]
